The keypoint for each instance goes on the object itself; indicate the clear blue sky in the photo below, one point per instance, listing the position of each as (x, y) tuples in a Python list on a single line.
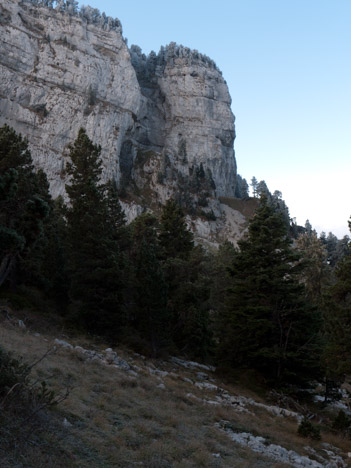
[(288, 67)]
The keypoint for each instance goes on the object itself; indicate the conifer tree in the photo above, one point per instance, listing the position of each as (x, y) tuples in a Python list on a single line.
[(254, 184), (24, 201), (338, 320), (151, 318), (94, 261), (316, 274), (175, 238), (245, 190), (184, 268), (267, 324)]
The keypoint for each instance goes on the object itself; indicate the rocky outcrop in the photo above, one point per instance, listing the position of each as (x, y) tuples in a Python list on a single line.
[(187, 114), (164, 121), (60, 72)]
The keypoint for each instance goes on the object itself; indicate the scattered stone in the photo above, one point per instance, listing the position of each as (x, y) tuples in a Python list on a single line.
[(162, 386), (194, 397), (276, 452), (160, 373), (111, 356), (211, 402), (63, 343), (206, 386), (133, 373), (185, 379), (216, 455), (36, 334), (121, 364), (136, 368), (21, 324), (202, 375), (192, 364), (66, 423)]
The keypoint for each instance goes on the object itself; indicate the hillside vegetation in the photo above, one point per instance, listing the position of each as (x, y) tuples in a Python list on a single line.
[(146, 412), (271, 314)]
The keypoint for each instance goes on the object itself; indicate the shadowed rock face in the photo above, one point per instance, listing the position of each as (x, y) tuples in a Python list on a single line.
[(61, 71), (187, 112)]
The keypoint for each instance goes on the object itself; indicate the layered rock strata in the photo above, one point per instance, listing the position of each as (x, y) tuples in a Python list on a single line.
[(164, 121)]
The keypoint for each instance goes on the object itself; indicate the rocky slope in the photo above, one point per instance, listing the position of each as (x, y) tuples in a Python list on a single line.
[(110, 417), (164, 121)]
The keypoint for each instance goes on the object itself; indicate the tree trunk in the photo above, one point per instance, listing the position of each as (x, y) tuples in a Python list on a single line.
[(5, 267)]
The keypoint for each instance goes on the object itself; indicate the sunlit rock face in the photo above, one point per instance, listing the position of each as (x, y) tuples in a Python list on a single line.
[(59, 73), (163, 121)]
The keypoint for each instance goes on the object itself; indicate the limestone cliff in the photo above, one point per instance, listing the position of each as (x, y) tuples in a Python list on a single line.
[(164, 121)]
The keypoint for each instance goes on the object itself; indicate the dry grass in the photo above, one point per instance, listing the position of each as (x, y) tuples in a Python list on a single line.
[(120, 420)]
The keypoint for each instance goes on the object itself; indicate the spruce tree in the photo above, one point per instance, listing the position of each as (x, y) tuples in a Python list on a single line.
[(267, 324)]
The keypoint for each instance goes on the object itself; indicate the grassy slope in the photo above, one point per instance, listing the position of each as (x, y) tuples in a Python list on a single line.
[(121, 420)]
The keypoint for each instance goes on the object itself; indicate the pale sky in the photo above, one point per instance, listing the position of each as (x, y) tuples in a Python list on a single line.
[(288, 67)]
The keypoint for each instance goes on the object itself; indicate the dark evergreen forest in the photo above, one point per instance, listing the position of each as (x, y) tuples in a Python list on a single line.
[(279, 304)]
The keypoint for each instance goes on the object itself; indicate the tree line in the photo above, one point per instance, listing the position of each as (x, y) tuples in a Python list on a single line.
[(276, 304)]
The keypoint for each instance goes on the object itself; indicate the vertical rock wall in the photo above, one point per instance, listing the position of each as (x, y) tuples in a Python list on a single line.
[(164, 121)]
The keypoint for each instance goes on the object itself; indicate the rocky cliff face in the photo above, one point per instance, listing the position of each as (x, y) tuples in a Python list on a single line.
[(164, 121)]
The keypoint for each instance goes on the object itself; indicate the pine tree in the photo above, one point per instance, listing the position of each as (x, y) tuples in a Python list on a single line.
[(94, 261), (267, 324)]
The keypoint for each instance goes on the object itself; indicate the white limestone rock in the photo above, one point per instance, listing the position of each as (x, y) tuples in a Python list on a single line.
[(164, 122)]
